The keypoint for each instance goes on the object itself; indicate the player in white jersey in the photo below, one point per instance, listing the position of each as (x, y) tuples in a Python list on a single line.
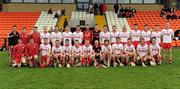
[(114, 34), (87, 53), (67, 48), (117, 53), (124, 35), (45, 34), (67, 34), (45, 50), (142, 52), (106, 53), (167, 37), (56, 35), (104, 35), (77, 51), (157, 34), (57, 54), (135, 35), (130, 52), (146, 34), (154, 50), (78, 35)]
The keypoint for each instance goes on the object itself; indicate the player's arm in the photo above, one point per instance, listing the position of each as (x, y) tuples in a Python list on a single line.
[(110, 50)]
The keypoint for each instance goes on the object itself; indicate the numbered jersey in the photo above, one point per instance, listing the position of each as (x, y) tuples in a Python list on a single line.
[(117, 48), (157, 35), (67, 35), (142, 50), (129, 48), (124, 36), (135, 35), (106, 49), (45, 49), (87, 49), (77, 50), (113, 36), (146, 35), (155, 49), (167, 35), (57, 50), (104, 36), (78, 36)]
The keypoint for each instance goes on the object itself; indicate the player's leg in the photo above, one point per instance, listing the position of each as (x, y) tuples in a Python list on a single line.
[(90, 59), (108, 59)]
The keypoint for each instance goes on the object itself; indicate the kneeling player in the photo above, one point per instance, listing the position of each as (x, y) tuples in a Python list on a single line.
[(19, 51), (142, 52), (87, 53), (106, 53), (67, 53), (77, 53), (57, 54), (117, 50), (45, 50), (155, 51), (130, 52), (32, 53)]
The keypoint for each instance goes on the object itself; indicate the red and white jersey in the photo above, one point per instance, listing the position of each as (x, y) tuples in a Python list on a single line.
[(57, 50), (106, 49), (128, 48), (146, 35), (113, 36), (154, 49), (67, 35), (56, 36), (167, 35), (136, 35), (78, 36), (142, 50), (157, 35), (45, 35), (117, 48), (124, 36), (87, 49), (67, 49), (45, 49), (104, 36), (77, 50)]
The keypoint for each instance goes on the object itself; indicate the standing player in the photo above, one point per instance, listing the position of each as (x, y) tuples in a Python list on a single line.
[(142, 52), (88, 35), (117, 50), (130, 52), (77, 52), (57, 54), (157, 34), (24, 36), (167, 37), (106, 53), (56, 35), (114, 34), (67, 34), (45, 49), (96, 32), (146, 34), (87, 53), (32, 53), (67, 53), (78, 35), (124, 35), (135, 35), (104, 35), (19, 53), (45, 34), (155, 51), (35, 35)]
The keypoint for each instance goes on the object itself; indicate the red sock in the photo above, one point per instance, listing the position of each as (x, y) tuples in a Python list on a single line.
[(84, 60), (90, 61)]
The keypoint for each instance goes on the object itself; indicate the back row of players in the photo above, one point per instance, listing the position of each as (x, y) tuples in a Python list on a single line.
[(107, 48)]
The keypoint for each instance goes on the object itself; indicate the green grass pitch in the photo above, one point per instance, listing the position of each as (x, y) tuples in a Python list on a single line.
[(164, 76)]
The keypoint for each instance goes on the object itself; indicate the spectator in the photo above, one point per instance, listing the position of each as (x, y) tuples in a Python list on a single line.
[(116, 8), (103, 8), (1, 7), (56, 15), (174, 16), (63, 11), (121, 12), (100, 9), (50, 11), (65, 23), (179, 35), (95, 8), (168, 16), (91, 9), (163, 14)]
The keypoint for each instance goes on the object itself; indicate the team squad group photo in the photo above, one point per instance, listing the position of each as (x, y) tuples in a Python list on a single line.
[(91, 47)]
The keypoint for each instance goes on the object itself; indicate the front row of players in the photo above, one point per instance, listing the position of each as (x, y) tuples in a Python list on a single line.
[(86, 55)]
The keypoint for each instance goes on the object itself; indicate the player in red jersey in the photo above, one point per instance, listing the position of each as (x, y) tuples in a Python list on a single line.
[(87, 53), (24, 36), (35, 35), (32, 53), (19, 53), (88, 35)]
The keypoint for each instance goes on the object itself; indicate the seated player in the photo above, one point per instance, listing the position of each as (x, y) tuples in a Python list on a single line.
[(155, 51), (106, 53), (32, 53), (57, 54), (77, 53), (19, 53), (98, 62), (87, 54), (130, 52), (142, 52), (67, 53), (45, 50), (117, 50)]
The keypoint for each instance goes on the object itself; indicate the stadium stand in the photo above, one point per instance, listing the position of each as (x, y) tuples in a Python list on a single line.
[(60, 23), (100, 20)]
